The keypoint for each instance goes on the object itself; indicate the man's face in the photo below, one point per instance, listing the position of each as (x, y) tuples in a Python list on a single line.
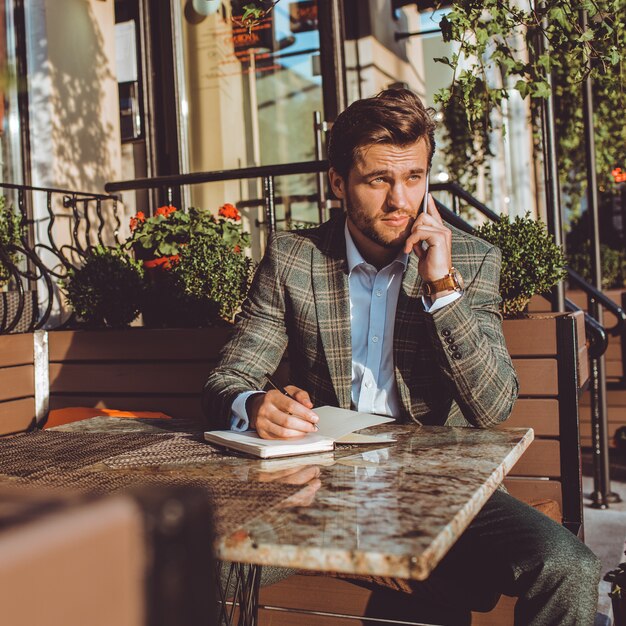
[(383, 194)]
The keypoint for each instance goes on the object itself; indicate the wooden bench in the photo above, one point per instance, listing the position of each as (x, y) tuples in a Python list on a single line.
[(17, 383), (615, 375), (163, 370), (135, 369)]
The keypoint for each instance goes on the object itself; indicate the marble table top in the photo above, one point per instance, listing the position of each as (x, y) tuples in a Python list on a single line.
[(390, 510)]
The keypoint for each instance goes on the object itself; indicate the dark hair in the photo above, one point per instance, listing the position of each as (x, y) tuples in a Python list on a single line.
[(394, 116)]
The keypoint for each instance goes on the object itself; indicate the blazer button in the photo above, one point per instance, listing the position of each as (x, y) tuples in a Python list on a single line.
[(457, 355), (449, 340), (445, 332)]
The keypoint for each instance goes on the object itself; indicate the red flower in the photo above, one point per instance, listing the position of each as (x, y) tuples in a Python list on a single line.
[(165, 211), (164, 262), (137, 219), (237, 249), (230, 212)]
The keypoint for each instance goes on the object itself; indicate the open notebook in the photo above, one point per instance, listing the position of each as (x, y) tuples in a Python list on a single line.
[(334, 425)]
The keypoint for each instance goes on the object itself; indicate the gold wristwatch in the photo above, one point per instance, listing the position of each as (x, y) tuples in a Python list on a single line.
[(451, 281)]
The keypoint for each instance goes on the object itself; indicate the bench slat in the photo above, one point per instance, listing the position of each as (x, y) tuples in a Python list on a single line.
[(137, 344), (542, 415), (542, 458), (537, 377), (16, 350), (16, 415), (17, 382), (124, 377)]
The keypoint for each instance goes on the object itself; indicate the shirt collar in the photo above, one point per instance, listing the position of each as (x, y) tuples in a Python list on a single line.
[(354, 258)]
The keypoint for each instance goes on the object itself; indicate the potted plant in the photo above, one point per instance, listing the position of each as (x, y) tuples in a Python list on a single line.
[(531, 265), (12, 299), (196, 287), (531, 262), (10, 235), (107, 290)]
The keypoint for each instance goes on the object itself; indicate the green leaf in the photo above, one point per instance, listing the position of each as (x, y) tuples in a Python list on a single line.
[(542, 90)]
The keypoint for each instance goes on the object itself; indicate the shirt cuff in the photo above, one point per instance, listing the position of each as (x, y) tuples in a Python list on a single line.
[(239, 420), (439, 303)]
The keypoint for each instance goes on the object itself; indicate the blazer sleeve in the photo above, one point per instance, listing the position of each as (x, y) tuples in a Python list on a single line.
[(471, 351), (256, 346)]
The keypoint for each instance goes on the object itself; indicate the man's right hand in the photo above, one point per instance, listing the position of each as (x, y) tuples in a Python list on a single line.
[(275, 416)]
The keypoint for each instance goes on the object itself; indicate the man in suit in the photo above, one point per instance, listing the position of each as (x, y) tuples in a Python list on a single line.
[(388, 310)]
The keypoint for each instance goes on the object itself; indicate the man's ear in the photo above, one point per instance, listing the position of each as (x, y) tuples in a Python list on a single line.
[(337, 183)]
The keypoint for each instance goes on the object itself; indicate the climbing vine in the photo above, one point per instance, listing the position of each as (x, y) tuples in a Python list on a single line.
[(500, 47)]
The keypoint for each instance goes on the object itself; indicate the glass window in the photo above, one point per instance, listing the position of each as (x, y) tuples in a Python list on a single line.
[(10, 147), (247, 98)]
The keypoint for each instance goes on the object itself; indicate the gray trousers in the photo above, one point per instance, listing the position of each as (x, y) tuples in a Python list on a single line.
[(511, 549)]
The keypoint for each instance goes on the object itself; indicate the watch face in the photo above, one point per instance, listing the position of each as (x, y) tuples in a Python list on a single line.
[(458, 278)]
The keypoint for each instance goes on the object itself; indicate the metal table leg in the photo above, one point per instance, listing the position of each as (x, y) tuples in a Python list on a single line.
[(238, 593)]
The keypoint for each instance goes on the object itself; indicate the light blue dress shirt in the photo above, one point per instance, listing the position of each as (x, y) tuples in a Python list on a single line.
[(373, 302)]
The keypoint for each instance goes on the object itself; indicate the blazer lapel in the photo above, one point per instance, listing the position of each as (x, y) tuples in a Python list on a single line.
[(406, 331), (332, 304)]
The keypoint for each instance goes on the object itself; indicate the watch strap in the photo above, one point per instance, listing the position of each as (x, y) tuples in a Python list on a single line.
[(448, 282)]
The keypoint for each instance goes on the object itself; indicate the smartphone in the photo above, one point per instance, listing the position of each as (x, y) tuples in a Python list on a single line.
[(423, 244)]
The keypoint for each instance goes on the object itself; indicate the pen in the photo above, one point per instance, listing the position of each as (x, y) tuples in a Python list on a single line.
[(278, 388), (283, 391)]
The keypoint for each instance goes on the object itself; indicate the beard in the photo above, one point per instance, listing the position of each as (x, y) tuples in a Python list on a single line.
[(375, 230)]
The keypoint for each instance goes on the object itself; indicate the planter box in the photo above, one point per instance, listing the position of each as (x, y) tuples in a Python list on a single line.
[(613, 358), (134, 369), (613, 355), (549, 353), (17, 383)]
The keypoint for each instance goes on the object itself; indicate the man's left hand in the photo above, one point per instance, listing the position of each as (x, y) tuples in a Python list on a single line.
[(436, 261)]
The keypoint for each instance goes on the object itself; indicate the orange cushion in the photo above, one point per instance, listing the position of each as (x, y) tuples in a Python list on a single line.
[(550, 508), (58, 417)]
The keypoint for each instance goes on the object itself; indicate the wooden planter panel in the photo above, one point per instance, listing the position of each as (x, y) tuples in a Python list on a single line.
[(542, 458), (537, 377), (16, 416), (17, 382), (16, 349), (332, 595), (617, 419), (530, 337), (615, 397), (532, 490), (613, 369), (539, 414), (137, 344), (120, 378), (136, 369)]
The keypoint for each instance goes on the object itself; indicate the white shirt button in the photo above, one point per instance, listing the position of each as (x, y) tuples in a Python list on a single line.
[(375, 339), (368, 384), (379, 293)]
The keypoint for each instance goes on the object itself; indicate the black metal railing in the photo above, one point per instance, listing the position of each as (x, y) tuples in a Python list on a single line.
[(169, 185), (58, 226)]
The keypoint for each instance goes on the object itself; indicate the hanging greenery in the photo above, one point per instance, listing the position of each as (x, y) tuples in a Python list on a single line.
[(499, 48)]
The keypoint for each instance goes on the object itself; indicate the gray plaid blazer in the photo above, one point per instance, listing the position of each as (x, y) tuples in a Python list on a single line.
[(452, 367)]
